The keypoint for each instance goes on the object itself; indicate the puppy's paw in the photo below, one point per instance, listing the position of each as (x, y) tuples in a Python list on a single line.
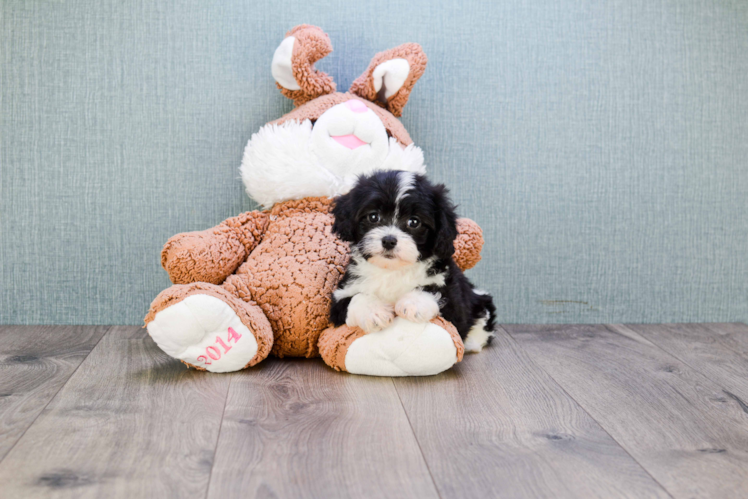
[(478, 337), (379, 318), (369, 313), (418, 306)]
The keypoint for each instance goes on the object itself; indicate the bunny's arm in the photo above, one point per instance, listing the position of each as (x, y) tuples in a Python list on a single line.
[(213, 254), (468, 244)]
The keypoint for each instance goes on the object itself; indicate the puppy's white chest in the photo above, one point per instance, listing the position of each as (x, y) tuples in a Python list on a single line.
[(390, 285)]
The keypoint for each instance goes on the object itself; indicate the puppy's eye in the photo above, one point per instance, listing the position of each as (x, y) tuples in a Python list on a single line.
[(373, 217), (414, 222)]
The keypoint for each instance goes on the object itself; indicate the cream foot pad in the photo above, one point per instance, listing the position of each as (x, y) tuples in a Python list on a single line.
[(402, 349), (205, 332)]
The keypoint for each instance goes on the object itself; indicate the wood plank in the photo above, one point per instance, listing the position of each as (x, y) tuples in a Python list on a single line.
[(35, 362), (706, 351), (299, 429), (673, 420), (732, 335), (131, 422), (498, 426)]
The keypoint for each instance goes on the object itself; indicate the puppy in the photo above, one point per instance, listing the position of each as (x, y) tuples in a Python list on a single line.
[(402, 230)]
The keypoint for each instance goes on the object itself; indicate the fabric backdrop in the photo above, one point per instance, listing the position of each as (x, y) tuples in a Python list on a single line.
[(602, 146)]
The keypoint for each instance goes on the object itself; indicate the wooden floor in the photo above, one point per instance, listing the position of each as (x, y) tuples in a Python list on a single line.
[(546, 411)]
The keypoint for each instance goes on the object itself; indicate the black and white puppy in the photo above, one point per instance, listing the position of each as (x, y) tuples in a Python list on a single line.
[(402, 230)]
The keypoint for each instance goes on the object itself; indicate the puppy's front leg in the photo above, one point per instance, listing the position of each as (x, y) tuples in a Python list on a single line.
[(418, 306), (369, 313)]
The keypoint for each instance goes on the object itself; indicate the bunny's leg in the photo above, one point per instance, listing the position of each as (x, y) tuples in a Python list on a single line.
[(402, 349), (207, 327)]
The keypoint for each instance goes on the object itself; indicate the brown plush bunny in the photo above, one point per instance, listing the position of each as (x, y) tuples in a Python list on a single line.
[(261, 282)]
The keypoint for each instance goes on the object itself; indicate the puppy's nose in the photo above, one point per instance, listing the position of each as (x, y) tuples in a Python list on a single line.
[(389, 242)]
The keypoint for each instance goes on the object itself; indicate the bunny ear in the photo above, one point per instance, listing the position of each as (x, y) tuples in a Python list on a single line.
[(293, 64), (390, 77)]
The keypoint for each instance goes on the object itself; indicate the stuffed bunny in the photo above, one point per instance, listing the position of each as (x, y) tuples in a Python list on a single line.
[(261, 282)]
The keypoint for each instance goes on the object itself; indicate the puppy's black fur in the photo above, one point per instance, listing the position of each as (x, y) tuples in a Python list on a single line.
[(434, 238)]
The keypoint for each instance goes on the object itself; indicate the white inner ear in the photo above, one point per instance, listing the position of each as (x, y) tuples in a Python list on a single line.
[(394, 72), (281, 66)]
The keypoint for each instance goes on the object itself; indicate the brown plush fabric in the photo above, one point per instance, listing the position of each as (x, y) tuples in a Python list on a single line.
[(249, 313), (363, 86), (468, 244), (213, 254), (249, 228), (293, 272), (311, 45), (314, 109), (334, 342)]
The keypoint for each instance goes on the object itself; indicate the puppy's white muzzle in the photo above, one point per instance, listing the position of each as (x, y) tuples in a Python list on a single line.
[(389, 247)]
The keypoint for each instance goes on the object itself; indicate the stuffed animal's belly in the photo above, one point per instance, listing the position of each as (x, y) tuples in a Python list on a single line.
[(291, 275)]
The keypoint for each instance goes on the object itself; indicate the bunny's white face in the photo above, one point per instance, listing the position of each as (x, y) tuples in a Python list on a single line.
[(296, 160), (343, 138), (349, 138)]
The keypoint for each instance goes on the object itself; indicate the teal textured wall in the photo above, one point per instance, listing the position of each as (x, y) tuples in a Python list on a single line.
[(601, 145)]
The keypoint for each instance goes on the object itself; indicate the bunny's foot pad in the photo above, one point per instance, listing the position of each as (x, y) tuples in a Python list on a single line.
[(204, 331), (402, 349)]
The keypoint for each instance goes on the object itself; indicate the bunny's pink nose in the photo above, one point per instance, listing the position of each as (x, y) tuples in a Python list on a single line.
[(356, 106)]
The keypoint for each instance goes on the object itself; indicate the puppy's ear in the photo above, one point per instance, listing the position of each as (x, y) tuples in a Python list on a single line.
[(446, 222), (344, 211)]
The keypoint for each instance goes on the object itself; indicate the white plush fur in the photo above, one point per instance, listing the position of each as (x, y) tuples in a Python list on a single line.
[(394, 73), (477, 338), (341, 120), (280, 164), (281, 67), (418, 306), (402, 349)]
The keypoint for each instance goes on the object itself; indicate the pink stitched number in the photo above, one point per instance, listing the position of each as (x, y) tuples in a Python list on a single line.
[(233, 336), (226, 348), (213, 352)]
